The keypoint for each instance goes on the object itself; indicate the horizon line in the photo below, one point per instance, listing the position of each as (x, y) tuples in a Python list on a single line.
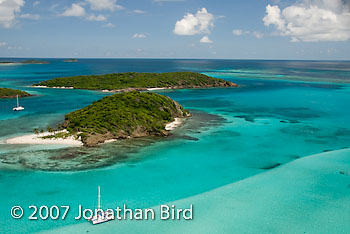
[(146, 58)]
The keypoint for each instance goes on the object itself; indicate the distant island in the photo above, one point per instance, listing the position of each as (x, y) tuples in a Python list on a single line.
[(12, 93), (130, 81), (124, 115), (33, 61), (29, 61), (6, 62), (71, 60)]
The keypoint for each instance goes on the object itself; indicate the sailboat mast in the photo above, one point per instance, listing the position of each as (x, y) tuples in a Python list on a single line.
[(99, 198), (17, 101)]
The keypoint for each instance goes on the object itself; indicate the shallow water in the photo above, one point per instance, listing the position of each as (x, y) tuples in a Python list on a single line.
[(235, 133), (308, 195)]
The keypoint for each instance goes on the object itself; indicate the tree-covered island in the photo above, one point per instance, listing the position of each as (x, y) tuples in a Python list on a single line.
[(34, 61), (12, 93), (29, 61), (123, 115), (137, 81)]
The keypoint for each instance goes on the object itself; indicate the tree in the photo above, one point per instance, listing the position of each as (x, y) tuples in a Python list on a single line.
[(36, 131)]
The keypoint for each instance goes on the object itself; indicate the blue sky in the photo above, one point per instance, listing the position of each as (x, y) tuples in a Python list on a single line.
[(251, 29)]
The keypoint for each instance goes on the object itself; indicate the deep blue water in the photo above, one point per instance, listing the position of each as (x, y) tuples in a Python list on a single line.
[(282, 110)]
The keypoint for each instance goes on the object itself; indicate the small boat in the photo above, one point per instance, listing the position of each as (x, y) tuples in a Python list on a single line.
[(100, 217), (18, 107)]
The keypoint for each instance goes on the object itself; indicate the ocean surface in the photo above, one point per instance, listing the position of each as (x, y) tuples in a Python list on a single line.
[(282, 112)]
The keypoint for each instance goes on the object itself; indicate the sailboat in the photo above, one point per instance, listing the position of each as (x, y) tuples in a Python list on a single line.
[(100, 217), (18, 107)]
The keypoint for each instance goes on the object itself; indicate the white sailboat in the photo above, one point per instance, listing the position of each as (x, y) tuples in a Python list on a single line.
[(18, 107), (100, 217)]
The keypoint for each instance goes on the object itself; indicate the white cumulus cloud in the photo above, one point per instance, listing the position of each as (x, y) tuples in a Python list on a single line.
[(139, 35), (312, 20), (99, 5), (8, 9), (94, 17), (205, 39), (78, 10), (239, 32), (137, 11), (109, 25), (258, 35), (201, 22), (168, 0), (30, 16), (75, 10), (3, 44)]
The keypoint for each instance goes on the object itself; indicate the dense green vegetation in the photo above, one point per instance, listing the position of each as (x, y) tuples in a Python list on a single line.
[(133, 80), (12, 93), (123, 115), (33, 61), (29, 61)]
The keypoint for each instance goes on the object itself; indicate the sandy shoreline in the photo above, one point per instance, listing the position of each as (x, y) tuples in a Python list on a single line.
[(176, 123), (43, 86), (107, 90), (37, 140)]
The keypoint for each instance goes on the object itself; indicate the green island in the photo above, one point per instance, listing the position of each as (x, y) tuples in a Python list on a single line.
[(12, 93), (137, 81), (34, 61), (71, 60), (29, 61), (6, 62), (123, 115)]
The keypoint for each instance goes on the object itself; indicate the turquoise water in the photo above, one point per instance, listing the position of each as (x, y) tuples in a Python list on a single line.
[(308, 195), (277, 115)]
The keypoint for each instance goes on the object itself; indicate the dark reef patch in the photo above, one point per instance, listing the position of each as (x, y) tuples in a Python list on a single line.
[(342, 132), (202, 121), (286, 115), (301, 130), (189, 138), (293, 121), (297, 112), (316, 141), (248, 118), (227, 133), (268, 167), (294, 156)]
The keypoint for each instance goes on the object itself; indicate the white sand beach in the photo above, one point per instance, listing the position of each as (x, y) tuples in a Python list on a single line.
[(153, 89), (36, 139), (176, 123), (43, 86)]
